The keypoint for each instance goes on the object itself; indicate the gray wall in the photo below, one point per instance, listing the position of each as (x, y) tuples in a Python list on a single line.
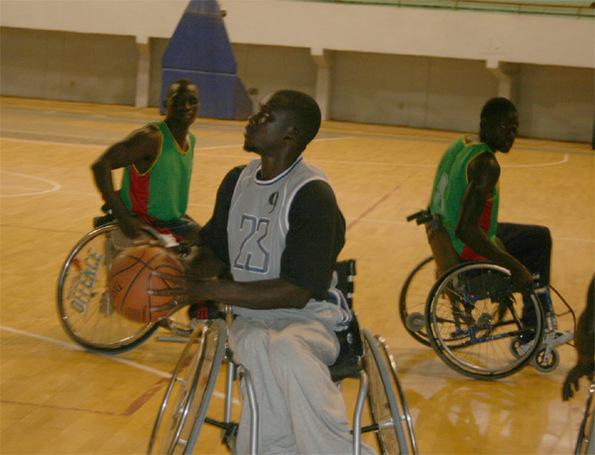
[(441, 93)]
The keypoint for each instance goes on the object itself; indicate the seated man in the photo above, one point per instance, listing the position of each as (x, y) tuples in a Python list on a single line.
[(157, 161), (466, 196), (278, 229), (584, 343)]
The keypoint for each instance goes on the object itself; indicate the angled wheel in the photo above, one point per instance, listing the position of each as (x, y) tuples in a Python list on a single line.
[(474, 324), (585, 445), (83, 298), (391, 364), (386, 415), (412, 300), (184, 407)]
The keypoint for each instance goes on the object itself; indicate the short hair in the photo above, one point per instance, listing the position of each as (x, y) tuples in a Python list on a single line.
[(179, 84), (495, 107), (303, 111)]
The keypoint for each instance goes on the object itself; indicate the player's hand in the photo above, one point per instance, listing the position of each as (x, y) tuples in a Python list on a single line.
[(181, 289), (571, 383), (131, 227)]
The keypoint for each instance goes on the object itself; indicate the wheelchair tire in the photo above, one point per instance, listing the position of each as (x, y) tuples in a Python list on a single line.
[(83, 298), (187, 398), (387, 418), (413, 296), (472, 319), (585, 445)]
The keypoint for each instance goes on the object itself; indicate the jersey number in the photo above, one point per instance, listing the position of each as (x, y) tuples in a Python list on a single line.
[(253, 256)]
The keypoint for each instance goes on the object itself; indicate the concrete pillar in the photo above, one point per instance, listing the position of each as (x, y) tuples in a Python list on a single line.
[(143, 72), (324, 74), (507, 76)]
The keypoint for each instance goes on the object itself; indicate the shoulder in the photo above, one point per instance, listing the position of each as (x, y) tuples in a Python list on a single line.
[(316, 199), (232, 177)]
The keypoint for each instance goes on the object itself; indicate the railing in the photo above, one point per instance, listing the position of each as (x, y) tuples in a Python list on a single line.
[(584, 8)]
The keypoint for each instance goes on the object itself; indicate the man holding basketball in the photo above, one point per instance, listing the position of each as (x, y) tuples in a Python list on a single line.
[(466, 196), (157, 161), (278, 229)]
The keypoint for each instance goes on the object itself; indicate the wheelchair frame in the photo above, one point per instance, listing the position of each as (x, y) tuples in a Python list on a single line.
[(447, 314), (83, 298), (374, 366)]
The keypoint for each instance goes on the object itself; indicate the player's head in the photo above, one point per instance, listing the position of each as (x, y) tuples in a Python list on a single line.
[(181, 102), (499, 124), (286, 115)]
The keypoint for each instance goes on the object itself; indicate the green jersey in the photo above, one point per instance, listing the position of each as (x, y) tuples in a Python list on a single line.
[(161, 193), (449, 186)]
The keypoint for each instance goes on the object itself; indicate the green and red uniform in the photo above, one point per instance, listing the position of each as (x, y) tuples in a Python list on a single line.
[(161, 193), (449, 186)]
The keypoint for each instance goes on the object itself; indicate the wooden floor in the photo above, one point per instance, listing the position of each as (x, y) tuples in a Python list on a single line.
[(59, 399)]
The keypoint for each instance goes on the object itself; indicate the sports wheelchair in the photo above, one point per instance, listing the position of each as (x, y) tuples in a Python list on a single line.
[(468, 313), (83, 299), (585, 445), (363, 356)]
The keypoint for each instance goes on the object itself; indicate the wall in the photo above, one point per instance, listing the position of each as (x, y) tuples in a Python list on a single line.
[(404, 66)]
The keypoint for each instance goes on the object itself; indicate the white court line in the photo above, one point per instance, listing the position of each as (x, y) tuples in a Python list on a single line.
[(355, 163), (129, 363), (564, 159), (54, 186)]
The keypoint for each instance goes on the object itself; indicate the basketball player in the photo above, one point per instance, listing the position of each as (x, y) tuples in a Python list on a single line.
[(157, 161), (277, 227), (584, 343), (466, 196)]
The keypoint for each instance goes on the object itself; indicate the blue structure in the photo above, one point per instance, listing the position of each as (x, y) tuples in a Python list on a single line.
[(199, 50)]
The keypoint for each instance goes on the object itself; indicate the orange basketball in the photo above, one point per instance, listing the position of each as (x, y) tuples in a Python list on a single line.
[(130, 278)]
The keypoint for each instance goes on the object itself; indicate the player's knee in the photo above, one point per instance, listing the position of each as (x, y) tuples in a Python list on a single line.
[(544, 236)]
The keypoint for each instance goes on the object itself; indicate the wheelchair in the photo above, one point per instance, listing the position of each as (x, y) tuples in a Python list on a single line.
[(584, 443), (468, 313), (83, 299), (184, 408)]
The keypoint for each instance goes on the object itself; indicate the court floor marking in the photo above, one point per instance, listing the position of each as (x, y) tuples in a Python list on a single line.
[(54, 186), (564, 159), (137, 403)]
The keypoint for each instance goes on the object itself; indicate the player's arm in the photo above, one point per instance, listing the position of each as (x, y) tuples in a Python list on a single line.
[(212, 259), (307, 261), (482, 174), (140, 149)]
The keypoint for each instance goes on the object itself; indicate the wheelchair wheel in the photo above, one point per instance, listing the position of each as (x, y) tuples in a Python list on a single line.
[(387, 420), (584, 443), (412, 300), (184, 406), (83, 298), (474, 324)]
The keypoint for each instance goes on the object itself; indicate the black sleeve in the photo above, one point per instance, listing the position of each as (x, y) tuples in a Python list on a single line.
[(315, 238), (214, 233)]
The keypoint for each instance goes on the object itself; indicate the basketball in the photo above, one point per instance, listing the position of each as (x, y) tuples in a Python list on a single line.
[(130, 278)]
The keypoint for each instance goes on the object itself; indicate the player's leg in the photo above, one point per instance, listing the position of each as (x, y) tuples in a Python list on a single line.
[(249, 342), (300, 353)]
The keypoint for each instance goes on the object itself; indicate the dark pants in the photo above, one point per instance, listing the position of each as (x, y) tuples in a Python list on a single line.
[(531, 245)]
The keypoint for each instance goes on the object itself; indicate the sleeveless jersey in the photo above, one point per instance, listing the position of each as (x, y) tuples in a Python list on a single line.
[(257, 227), (162, 192), (449, 186)]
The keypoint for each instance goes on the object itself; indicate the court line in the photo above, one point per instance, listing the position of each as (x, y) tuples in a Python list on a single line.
[(127, 362), (377, 203), (54, 186), (355, 163), (563, 160), (136, 404)]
